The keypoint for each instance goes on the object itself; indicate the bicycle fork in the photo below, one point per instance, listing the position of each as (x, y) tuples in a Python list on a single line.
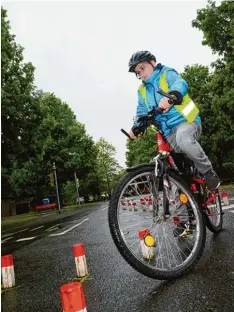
[(160, 174)]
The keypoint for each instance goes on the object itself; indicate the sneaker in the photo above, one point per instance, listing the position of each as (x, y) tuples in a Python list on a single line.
[(212, 179)]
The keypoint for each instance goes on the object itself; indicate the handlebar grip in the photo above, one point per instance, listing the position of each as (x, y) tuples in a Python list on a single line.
[(172, 98), (160, 110), (171, 101), (124, 132)]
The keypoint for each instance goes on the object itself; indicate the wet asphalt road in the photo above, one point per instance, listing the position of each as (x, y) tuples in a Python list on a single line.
[(46, 262)]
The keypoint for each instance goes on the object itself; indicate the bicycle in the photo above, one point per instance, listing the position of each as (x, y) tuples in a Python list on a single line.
[(159, 211)]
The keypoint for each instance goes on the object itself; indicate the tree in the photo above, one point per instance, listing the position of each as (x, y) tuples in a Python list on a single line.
[(64, 140), (17, 101), (217, 24), (199, 79), (92, 185), (143, 149), (37, 128), (108, 167), (68, 192)]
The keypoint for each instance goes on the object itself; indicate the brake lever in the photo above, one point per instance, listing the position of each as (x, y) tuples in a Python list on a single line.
[(172, 98)]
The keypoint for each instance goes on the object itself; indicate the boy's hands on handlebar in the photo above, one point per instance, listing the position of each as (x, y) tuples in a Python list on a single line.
[(136, 132), (164, 104), (170, 99), (132, 135)]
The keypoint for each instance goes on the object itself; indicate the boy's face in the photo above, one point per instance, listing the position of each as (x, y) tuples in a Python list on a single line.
[(144, 70)]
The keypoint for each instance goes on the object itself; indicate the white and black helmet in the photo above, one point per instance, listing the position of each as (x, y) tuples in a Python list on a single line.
[(138, 57)]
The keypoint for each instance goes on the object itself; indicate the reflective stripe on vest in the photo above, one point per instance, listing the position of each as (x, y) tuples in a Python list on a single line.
[(142, 90), (187, 108)]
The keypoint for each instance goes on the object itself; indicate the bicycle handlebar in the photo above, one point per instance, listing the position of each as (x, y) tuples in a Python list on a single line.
[(124, 132), (150, 117)]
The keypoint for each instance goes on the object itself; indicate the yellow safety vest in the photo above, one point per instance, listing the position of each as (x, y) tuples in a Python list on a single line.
[(187, 108)]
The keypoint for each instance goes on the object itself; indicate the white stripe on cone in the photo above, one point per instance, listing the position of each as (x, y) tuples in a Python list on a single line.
[(80, 260), (84, 310), (81, 266), (129, 205), (225, 199)]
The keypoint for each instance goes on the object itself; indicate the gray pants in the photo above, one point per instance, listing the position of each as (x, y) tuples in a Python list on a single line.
[(184, 140)]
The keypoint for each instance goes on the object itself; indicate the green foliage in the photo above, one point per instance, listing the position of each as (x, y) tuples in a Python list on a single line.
[(69, 192), (117, 177), (92, 185), (38, 129), (143, 149), (18, 107), (107, 166), (217, 24)]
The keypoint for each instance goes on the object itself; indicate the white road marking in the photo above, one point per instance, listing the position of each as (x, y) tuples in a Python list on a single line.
[(37, 228), (68, 230), (6, 239), (228, 207), (105, 208), (232, 211), (25, 239), (19, 231), (52, 227), (14, 229), (6, 235)]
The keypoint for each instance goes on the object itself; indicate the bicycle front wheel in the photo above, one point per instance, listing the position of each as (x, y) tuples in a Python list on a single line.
[(161, 245)]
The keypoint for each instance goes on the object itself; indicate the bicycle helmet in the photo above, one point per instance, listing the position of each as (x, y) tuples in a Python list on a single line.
[(138, 57)]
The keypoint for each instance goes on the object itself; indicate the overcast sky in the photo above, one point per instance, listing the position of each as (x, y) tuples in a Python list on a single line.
[(81, 52)]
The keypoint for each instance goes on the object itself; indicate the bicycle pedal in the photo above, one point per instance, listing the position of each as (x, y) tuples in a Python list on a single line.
[(186, 233)]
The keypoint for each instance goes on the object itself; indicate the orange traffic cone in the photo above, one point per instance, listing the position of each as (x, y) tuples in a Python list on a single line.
[(225, 199), (72, 296), (80, 260), (8, 274)]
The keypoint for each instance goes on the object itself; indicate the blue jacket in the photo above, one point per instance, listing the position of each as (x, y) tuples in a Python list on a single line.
[(171, 119)]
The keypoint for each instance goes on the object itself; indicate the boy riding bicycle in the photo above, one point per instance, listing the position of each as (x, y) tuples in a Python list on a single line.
[(180, 123)]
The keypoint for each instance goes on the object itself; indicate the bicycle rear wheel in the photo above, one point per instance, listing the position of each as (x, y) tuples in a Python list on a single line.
[(214, 213), (157, 245)]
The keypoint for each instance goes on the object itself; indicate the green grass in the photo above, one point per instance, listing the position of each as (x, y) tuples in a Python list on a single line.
[(14, 221), (226, 187), (11, 222), (69, 208)]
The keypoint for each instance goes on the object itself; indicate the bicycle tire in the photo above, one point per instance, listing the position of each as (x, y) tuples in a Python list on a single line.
[(121, 245), (210, 225)]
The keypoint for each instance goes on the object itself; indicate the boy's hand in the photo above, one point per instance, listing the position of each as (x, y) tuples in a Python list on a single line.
[(132, 135), (163, 104)]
